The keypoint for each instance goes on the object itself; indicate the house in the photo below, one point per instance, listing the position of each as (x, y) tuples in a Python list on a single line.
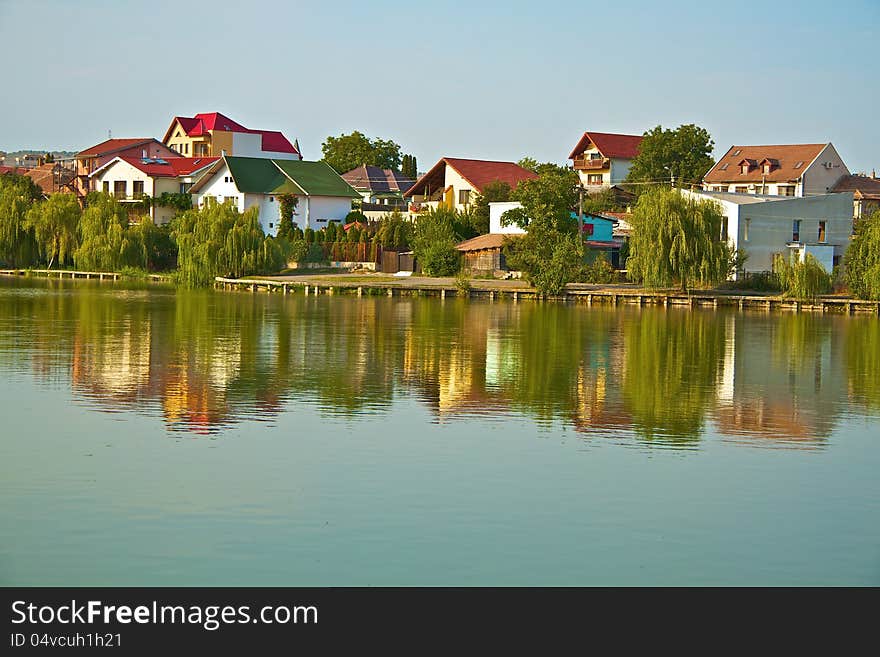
[(865, 191), (762, 226), (212, 134), (248, 182), (52, 178), (603, 159), (132, 179), (787, 170), (97, 156), (598, 230), (455, 182), (378, 186)]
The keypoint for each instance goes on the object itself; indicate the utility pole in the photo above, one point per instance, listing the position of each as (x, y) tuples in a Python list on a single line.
[(580, 209)]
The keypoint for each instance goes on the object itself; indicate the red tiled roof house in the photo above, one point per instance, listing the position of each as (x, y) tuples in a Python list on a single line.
[(777, 170), (89, 159), (131, 179), (211, 134), (455, 182), (603, 159)]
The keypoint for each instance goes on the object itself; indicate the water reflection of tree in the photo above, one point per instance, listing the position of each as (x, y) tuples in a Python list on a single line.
[(863, 361), (672, 362)]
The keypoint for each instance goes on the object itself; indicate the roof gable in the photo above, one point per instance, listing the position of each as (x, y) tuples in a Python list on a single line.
[(478, 173), (609, 144), (116, 145), (788, 163), (273, 141), (316, 178), (257, 175)]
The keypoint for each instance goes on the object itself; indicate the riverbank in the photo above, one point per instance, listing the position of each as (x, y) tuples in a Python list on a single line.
[(516, 290), (75, 273)]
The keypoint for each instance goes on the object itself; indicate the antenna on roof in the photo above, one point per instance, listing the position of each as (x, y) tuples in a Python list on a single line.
[(109, 134)]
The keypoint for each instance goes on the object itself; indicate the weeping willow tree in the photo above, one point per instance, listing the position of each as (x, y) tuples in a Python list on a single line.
[(55, 224), (863, 259), (104, 244), (17, 195), (217, 240), (677, 238), (801, 279)]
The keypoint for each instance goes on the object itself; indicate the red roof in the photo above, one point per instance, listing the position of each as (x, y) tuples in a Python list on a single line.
[(171, 167), (5, 169), (791, 160), (200, 124), (609, 144), (114, 145), (478, 173)]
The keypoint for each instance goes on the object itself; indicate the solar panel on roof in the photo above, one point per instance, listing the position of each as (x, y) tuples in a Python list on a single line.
[(161, 161)]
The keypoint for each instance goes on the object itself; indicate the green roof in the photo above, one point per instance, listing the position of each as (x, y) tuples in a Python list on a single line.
[(255, 175), (316, 178)]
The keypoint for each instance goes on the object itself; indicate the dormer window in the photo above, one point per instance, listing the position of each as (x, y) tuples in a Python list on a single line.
[(746, 165), (769, 164)]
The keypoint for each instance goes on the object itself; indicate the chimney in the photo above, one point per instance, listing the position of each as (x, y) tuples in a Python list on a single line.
[(874, 174)]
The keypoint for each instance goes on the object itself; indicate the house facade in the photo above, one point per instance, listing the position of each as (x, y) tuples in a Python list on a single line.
[(90, 159), (604, 159), (865, 191), (377, 186), (782, 170), (130, 180), (213, 134), (762, 226), (455, 182), (247, 182)]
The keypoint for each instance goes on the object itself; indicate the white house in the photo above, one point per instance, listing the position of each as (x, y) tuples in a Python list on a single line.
[(762, 226), (780, 170), (497, 209), (131, 179), (604, 159), (248, 182), (455, 182)]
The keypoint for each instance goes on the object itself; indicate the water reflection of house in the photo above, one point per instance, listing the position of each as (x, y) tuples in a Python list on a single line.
[(780, 379), (113, 365)]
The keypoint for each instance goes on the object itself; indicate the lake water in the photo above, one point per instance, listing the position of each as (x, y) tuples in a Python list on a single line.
[(151, 436)]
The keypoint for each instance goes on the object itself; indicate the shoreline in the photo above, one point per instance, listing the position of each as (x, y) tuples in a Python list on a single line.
[(514, 290)]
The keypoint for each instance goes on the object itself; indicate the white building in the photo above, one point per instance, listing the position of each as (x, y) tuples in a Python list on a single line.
[(762, 226), (496, 210), (248, 182), (781, 170), (130, 180), (604, 159)]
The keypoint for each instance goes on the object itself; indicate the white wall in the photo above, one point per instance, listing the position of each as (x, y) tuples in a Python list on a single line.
[(818, 178), (221, 187), (245, 144), (121, 170), (496, 210), (323, 209), (619, 169)]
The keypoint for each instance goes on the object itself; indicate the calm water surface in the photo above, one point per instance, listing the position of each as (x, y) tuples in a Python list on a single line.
[(154, 437)]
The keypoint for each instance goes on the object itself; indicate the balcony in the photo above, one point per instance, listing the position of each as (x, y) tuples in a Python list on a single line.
[(591, 164)]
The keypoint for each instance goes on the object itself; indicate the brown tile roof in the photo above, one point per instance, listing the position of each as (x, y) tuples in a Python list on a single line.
[(478, 173), (792, 159), (483, 242), (114, 145), (609, 144), (861, 186), (377, 180), (51, 177)]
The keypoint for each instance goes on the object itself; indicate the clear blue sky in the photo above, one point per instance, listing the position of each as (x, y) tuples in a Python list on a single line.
[(493, 80)]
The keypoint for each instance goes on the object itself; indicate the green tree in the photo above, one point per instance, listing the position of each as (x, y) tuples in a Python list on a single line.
[(862, 261), (55, 222), (550, 197), (493, 192), (677, 238), (394, 232), (152, 246), (683, 153), (801, 279), (217, 240), (103, 243), (529, 163), (433, 242), (347, 152), (409, 167), (548, 257), (17, 195), (286, 207)]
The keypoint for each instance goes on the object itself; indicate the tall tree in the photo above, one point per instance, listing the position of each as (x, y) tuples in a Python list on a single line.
[(862, 262), (676, 238), (102, 235), (683, 154), (17, 195), (347, 152), (409, 167), (550, 197), (55, 222)]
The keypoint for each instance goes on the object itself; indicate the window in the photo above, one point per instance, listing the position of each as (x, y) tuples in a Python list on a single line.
[(271, 225), (741, 190), (736, 152), (271, 199), (799, 164), (464, 196), (595, 156), (766, 168), (796, 230), (822, 225), (594, 179), (106, 186), (186, 148), (785, 190), (746, 227), (724, 166), (119, 188), (744, 168), (138, 191)]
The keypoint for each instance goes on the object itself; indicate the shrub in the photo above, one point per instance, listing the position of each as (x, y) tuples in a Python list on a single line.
[(599, 271), (433, 244), (804, 279), (862, 261)]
